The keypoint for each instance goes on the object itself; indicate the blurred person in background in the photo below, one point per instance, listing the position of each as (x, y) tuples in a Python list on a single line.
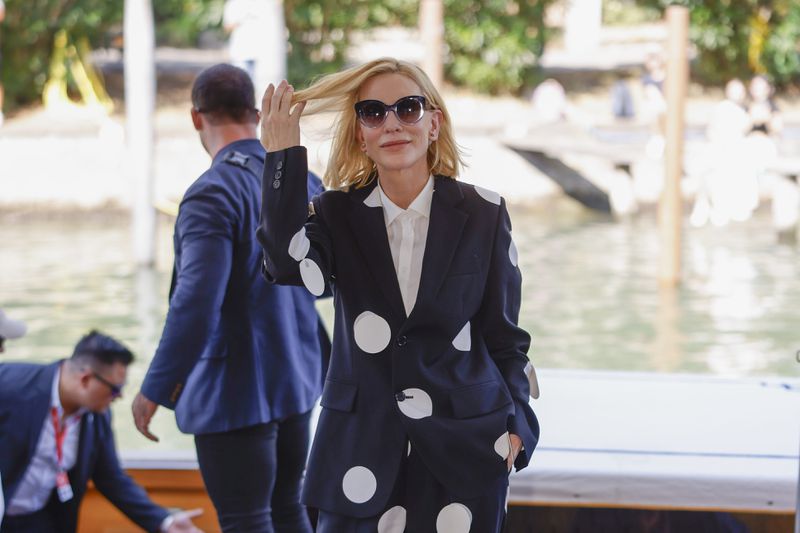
[(240, 360), (55, 436), (729, 189), (257, 38), (654, 103), (765, 116)]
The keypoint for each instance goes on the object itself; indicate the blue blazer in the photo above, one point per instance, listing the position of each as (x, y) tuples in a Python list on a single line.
[(446, 382), (25, 391), (235, 351)]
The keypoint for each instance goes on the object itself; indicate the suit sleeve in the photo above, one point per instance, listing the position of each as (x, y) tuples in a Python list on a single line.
[(205, 237), (508, 343), (295, 239), (117, 486)]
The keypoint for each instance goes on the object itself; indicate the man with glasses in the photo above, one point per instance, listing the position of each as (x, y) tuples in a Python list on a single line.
[(55, 435)]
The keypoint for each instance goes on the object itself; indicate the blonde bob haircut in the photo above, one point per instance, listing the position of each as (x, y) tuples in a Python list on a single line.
[(348, 165)]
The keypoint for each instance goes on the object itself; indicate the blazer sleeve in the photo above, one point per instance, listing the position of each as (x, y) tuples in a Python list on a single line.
[(117, 486), (508, 343), (205, 233), (296, 240)]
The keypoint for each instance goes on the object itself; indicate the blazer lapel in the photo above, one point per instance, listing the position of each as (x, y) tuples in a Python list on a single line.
[(40, 406), (369, 228), (444, 233), (79, 474)]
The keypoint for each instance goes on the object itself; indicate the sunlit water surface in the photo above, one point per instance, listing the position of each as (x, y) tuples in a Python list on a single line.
[(591, 299)]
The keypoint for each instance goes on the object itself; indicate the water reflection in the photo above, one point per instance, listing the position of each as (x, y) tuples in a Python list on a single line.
[(590, 296)]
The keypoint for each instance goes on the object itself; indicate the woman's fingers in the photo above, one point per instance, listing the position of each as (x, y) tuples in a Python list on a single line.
[(266, 100), (286, 99), (277, 97), (280, 124), (298, 111)]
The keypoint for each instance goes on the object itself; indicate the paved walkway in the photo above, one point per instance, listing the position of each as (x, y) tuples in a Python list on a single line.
[(76, 158)]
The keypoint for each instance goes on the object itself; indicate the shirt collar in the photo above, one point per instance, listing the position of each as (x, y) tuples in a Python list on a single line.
[(421, 204), (55, 399)]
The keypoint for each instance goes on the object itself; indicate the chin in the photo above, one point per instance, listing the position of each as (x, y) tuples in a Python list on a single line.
[(399, 163)]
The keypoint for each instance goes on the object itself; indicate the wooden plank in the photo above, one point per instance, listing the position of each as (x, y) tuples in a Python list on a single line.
[(183, 489)]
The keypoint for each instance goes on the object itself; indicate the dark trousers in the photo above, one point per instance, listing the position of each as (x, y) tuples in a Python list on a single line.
[(50, 519), (253, 475), (40, 521), (420, 504)]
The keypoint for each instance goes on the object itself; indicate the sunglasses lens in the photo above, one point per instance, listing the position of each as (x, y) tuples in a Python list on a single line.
[(410, 109), (371, 113)]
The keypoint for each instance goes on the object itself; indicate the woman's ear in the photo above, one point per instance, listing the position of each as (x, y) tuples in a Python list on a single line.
[(360, 140), (436, 124)]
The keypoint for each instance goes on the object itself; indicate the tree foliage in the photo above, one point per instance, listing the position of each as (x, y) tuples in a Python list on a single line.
[(492, 45), (320, 31), (737, 38), (28, 33)]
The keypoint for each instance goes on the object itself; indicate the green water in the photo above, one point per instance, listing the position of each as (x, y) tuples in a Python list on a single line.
[(591, 299)]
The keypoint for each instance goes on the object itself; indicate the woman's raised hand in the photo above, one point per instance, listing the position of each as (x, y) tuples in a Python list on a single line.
[(280, 124)]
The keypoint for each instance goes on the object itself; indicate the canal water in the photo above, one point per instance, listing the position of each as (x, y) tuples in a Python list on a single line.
[(591, 299)]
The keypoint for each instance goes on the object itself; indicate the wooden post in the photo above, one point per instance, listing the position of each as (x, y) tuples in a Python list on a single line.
[(431, 29), (669, 208), (140, 95)]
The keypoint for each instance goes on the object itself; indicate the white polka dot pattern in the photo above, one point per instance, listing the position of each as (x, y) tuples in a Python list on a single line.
[(359, 484), (393, 520), (299, 245), (372, 333), (417, 404), (489, 196), (503, 445), (513, 255), (312, 277), (454, 518), (463, 340), (533, 381)]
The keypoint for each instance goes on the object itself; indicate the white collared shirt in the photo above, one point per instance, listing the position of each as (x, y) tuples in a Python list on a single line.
[(40, 477), (407, 230)]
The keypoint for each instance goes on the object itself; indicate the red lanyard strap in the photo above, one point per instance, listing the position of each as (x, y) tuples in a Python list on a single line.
[(60, 434)]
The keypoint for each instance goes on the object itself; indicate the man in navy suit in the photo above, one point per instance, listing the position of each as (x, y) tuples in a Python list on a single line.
[(55, 435), (239, 360)]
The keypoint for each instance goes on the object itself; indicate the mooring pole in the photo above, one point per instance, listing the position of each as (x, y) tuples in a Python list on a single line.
[(669, 208)]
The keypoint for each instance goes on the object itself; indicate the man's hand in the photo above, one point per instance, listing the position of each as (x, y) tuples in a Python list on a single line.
[(516, 446), (143, 410), (280, 127), (182, 522)]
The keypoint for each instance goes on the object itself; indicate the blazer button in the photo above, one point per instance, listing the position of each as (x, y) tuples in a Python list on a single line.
[(401, 341), (278, 175), (276, 184), (280, 165)]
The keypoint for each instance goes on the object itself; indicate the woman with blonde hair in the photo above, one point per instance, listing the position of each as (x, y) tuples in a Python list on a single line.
[(425, 405)]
